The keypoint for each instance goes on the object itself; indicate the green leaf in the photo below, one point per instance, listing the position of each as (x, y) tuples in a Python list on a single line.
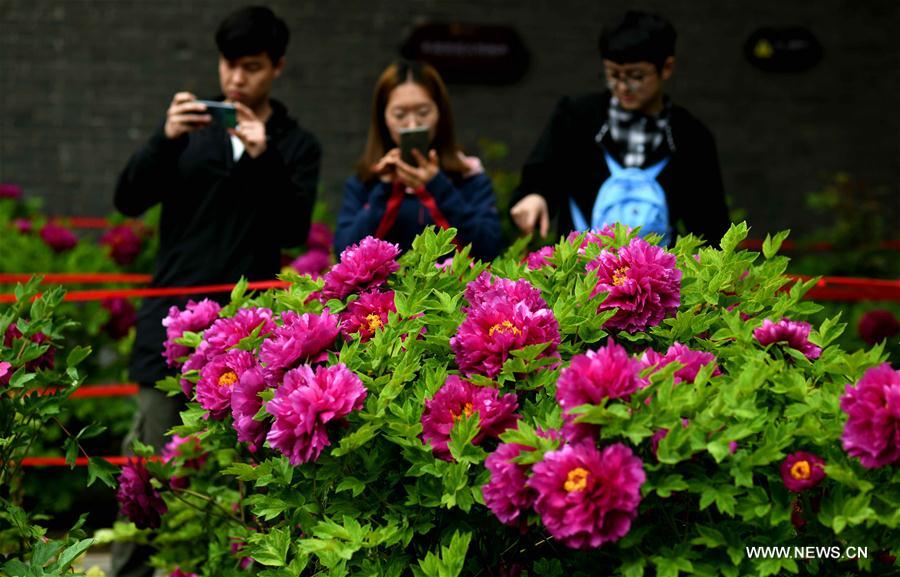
[(77, 355), (771, 246), (270, 548), (71, 553), (103, 470), (352, 484), (450, 561)]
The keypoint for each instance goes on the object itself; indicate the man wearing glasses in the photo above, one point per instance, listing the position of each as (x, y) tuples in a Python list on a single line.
[(627, 155)]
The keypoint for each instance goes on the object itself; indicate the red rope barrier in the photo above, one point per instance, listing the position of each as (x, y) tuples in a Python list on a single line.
[(84, 221), (822, 246), (76, 278), (79, 462), (852, 289), (100, 294), (94, 391)]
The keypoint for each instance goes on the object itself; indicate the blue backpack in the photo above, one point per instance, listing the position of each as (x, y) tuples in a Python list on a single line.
[(631, 196)]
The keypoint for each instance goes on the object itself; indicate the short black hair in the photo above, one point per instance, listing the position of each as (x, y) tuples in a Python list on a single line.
[(251, 30), (638, 37)]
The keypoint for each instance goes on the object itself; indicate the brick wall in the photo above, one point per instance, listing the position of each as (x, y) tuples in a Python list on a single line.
[(82, 84)]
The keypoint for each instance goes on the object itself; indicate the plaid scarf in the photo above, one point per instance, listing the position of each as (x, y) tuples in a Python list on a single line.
[(639, 135)]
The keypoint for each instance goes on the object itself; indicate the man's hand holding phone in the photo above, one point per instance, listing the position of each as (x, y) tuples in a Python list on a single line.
[(250, 130), (185, 115)]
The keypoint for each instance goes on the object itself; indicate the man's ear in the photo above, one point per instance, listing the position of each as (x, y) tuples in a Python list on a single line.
[(668, 68), (279, 66)]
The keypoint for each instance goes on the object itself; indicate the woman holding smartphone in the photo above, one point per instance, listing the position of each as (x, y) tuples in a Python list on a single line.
[(394, 195)]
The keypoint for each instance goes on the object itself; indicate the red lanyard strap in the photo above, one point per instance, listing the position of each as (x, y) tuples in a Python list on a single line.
[(398, 191)]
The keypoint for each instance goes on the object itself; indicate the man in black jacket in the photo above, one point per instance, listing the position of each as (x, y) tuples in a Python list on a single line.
[(231, 198), (632, 127)]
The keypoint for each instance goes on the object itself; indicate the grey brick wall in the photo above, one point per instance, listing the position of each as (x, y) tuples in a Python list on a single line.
[(83, 83)]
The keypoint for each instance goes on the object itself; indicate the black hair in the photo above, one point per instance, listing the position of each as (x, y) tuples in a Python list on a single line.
[(638, 37), (251, 30)]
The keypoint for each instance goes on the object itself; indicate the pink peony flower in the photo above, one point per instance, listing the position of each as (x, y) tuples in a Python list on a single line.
[(122, 316), (692, 360), (188, 447), (299, 339), (217, 380), (539, 258), (878, 325), (363, 266), (59, 238), (320, 237), (367, 314), (245, 404), (507, 494), (138, 500), (45, 361), (4, 370), (491, 331), (313, 263), (305, 403), (642, 283), (194, 318), (801, 471), (456, 397), (794, 333), (10, 191), (123, 242), (225, 333), (872, 431), (23, 225), (178, 572), (487, 289), (586, 498)]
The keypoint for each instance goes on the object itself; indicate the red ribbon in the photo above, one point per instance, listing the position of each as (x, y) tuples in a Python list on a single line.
[(76, 278), (79, 461), (100, 294)]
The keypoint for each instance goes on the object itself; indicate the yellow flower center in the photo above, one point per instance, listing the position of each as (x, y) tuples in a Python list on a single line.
[(577, 480), (503, 328), (228, 379), (374, 322), (620, 276), (800, 470), (468, 410)]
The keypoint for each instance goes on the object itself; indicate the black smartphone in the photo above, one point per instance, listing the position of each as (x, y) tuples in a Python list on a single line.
[(221, 112), (413, 138)]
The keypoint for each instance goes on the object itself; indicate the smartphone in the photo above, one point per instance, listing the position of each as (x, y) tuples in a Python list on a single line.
[(411, 138), (221, 112)]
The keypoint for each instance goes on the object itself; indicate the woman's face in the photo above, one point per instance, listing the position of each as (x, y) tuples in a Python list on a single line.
[(408, 106)]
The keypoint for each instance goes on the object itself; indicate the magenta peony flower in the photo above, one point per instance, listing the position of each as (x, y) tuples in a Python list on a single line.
[(661, 434), (188, 447), (194, 318), (539, 258), (878, 325), (123, 242), (59, 238), (692, 360), (45, 361), (794, 333), (586, 498), (179, 573), (122, 316), (313, 263), (4, 371), (642, 283), (245, 403), (496, 413), (872, 431), (305, 403), (367, 314), (10, 191), (23, 225), (217, 380), (801, 471), (487, 289), (138, 500), (299, 339), (507, 494), (363, 266), (320, 237)]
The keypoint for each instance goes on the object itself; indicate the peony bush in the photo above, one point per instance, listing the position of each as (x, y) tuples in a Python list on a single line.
[(602, 407)]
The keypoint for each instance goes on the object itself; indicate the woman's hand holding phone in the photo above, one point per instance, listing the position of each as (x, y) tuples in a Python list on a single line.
[(418, 176), (385, 168)]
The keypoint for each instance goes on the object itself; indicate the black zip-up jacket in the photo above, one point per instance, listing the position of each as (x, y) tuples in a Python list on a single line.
[(220, 219), (568, 161)]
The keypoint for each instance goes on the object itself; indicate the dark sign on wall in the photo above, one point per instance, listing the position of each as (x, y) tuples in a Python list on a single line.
[(469, 53), (792, 49)]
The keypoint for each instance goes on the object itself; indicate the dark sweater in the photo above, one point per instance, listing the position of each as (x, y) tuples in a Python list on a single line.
[(220, 220), (468, 204), (568, 160)]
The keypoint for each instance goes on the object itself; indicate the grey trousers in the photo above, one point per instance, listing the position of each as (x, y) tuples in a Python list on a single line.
[(156, 414)]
